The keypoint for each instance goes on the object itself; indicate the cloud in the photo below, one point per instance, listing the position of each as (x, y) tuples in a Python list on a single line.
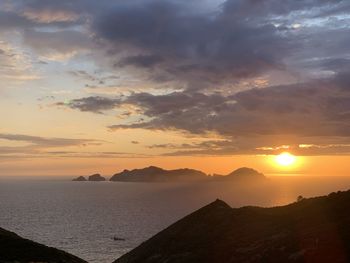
[(190, 46), (198, 48), (50, 15), (47, 142), (15, 65), (23, 17), (57, 46), (36, 146), (316, 108), (317, 112), (255, 121), (259, 9), (92, 104), (146, 61)]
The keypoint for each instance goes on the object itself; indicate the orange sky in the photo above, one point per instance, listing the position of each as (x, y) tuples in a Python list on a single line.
[(309, 166), (100, 86)]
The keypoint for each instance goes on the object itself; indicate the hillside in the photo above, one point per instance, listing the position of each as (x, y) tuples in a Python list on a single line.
[(311, 230), (14, 249), (156, 174)]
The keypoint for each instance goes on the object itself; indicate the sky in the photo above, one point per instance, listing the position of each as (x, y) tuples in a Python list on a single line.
[(100, 86)]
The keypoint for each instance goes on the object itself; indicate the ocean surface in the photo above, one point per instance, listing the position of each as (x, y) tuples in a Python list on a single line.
[(83, 217)]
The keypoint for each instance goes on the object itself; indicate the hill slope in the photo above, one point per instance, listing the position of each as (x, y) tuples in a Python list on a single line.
[(14, 249), (312, 230)]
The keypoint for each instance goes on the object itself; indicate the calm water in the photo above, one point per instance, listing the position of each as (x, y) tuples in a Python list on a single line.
[(83, 217)]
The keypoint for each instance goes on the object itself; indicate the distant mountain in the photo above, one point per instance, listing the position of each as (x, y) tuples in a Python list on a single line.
[(156, 174), (79, 179), (96, 178), (14, 249), (310, 230)]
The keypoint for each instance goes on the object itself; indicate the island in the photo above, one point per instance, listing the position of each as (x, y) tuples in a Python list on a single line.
[(156, 174), (79, 179), (243, 173), (309, 230), (96, 178), (14, 249)]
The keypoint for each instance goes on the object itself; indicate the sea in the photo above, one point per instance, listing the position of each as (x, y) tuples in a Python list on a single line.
[(85, 218)]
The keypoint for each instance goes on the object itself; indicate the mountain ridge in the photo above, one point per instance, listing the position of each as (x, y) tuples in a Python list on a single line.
[(311, 230)]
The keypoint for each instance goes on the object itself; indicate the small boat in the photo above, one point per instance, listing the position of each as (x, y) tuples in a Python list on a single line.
[(118, 238)]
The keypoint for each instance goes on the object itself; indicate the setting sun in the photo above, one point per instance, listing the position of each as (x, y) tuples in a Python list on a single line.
[(285, 159)]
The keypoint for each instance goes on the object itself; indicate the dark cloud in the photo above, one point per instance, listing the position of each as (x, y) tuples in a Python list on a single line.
[(10, 20), (316, 108), (92, 104), (336, 64), (316, 112), (146, 61), (240, 39), (189, 45)]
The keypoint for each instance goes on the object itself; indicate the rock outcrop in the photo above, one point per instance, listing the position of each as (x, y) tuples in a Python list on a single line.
[(15, 249), (79, 179), (96, 178)]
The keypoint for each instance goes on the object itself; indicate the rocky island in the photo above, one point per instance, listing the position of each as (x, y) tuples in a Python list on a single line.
[(96, 178), (79, 179)]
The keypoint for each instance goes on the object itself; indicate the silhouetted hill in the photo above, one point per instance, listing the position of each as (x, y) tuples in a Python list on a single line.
[(96, 178), (14, 249), (311, 230), (245, 173), (240, 174), (79, 179), (156, 174)]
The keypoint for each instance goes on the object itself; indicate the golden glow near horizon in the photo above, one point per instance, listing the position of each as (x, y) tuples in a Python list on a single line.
[(285, 159), (286, 162)]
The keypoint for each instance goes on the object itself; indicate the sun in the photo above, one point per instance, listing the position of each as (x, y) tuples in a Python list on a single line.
[(285, 159)]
